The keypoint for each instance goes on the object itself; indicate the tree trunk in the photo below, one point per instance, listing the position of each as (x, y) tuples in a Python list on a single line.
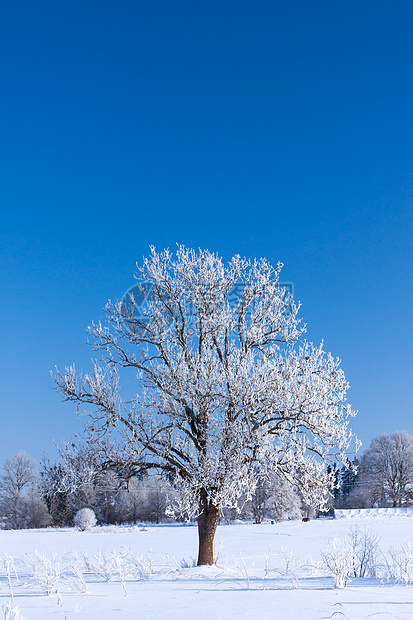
[(207, 525)]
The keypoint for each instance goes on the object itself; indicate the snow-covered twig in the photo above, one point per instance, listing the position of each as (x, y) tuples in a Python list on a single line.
[(10, 611), (45, 572), (73, 575)]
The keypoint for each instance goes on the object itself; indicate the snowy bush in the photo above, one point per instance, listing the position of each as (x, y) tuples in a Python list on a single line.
[(119, 566), (365, 552), (400, 565), (85, 519), (11, 612), (100, 564), (44, 572), (337, 559), (356, 556), (73, 576)]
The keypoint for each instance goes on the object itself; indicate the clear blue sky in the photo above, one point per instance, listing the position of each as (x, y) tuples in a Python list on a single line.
[(270, 128)]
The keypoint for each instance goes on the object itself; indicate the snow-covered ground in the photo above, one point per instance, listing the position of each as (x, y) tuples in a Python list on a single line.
[(263, 571)]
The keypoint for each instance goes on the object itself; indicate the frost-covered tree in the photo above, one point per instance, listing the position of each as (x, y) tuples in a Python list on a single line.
[(144, 499), (106, 491), (348, 479), (58, 499), (19, 473), (335, 473), (21, 503), (386, 471), (29, 511), (70, 484), (273, 498), (283, 502), (226, 386), (156, 494)]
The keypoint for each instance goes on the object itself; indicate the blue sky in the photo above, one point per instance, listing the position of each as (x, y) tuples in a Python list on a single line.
[(271, 128)]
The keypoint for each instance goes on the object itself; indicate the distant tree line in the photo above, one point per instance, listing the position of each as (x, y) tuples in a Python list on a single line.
[(35, 499), (52, 496), (382, 477)]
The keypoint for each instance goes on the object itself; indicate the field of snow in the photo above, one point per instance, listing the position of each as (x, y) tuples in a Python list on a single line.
[(146, 572)]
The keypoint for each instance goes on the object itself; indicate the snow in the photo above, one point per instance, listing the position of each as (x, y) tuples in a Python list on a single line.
[(362, 513), (250, 579)]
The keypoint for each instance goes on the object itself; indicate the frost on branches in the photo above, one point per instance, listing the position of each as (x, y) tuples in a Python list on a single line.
[(227, 386)]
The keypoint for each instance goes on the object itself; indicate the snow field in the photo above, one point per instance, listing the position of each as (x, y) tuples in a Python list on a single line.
[(262, 571)]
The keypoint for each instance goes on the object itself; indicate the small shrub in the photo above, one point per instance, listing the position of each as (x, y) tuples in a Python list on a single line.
[(338, 560), (11, 612), (84, 519), (184, 563), (73, 575), (44, 572), (400, 566), (365, 552), (119, 566), (356, 556)]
